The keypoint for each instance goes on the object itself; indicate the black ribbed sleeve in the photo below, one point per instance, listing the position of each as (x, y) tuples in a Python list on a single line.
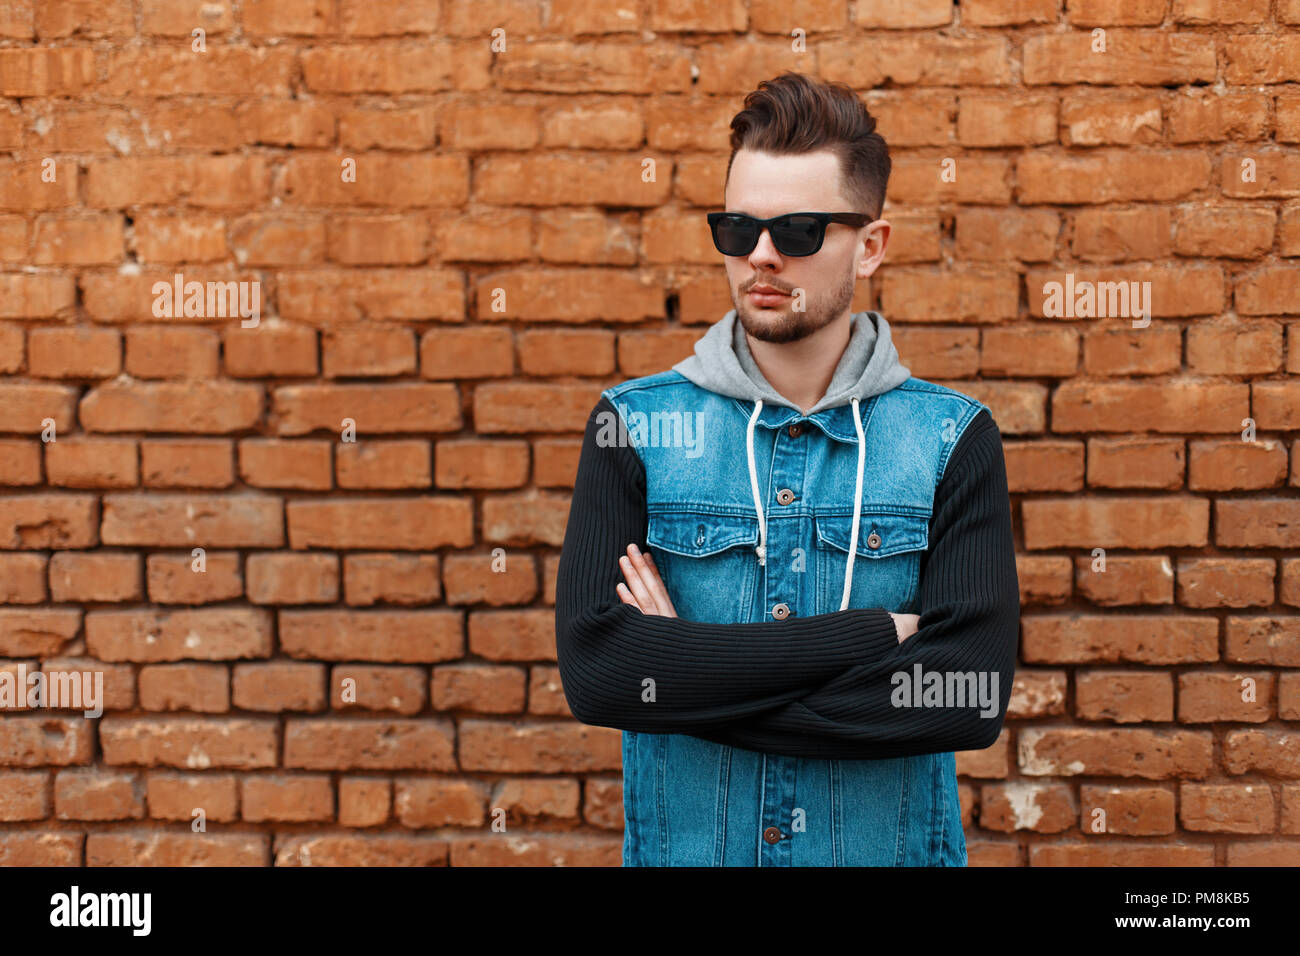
[(705, 674), (970, 623), (806, 686)]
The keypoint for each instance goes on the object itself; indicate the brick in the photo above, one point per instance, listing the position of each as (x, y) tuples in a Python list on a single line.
[(1232, 464), (384, 464), (1043, 579), (1118, 235), (475, 463), (361, 850), (1044, 465), (367, 352), (190, 407), (1179, 521), (369, 744), (303, 465), (1213, 697), (1128, 811), (415, 524), (440, 803), (94, 576), (375, 409), (1271, 752), (390, 579), (1271, 640), (1127, 752), (1027, 805), (171, 353), (192, 743), (478, 688), (92, 463), (1155, 639), (546, 692), (1143, 57), (150, 636), (364, 801), (505, 747), (185, 520), (45, 741), (1127, 351), (283, 798), (22, 578), (474, 352), (203, 688), (279, 686), (527, 800), (1030, 351), (396, 689), (176, 796), (194, 579), (178, 463), (384, 636), (97, 795), (1092, 119), (170, 849), (24, 797), (1136, 463), (272, 349), (288, 578), (489, 579), (985, 120), (43, 521), (1257, 523), (1225, 582), (1124, 697)]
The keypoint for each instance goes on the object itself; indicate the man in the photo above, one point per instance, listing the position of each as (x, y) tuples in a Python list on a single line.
[(788, 574)]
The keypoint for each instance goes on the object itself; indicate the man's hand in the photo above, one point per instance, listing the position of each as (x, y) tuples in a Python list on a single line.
[(644, 589), (905, 625)]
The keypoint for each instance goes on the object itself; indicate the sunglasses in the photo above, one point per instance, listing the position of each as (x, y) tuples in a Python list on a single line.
[(794, 234)]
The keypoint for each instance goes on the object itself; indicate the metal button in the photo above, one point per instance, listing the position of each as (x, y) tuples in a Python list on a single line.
[(699, 536), (795, 431), (784, 496), (873, 541), (781, 611), (772, 835)]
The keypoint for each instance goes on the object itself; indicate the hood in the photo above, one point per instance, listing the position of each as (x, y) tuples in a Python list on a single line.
[(870, 366), (722, 363)]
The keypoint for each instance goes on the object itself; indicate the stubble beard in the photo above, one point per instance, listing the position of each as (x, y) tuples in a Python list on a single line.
[(785, 325)]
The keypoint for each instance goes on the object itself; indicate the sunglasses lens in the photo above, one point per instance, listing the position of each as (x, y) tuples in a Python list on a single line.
[(796, 235), (735, 235)]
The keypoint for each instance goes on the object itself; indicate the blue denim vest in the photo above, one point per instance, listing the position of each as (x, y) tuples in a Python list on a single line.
[(692, 802)]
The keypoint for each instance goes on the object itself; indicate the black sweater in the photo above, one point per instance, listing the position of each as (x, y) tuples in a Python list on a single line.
[(815, 686)]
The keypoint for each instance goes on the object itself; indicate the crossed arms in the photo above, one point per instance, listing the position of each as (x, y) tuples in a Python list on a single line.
[(820, 686)]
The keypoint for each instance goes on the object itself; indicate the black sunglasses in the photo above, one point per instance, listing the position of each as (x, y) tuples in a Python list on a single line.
[(793, 234)]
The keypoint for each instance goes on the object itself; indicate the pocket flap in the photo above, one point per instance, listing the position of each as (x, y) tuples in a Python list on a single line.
[(696, 534), (895, 533)]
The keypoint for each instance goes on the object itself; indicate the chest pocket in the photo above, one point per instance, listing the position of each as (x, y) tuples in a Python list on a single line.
[(707, 562), (887, 567)]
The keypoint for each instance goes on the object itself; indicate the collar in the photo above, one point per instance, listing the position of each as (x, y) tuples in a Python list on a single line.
[(836, 422)]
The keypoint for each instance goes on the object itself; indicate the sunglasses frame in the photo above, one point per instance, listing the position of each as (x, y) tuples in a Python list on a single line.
[(824, 219)]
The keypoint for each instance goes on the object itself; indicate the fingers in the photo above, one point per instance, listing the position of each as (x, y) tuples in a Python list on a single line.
[(644, 599), (650, 574), (625, 596)]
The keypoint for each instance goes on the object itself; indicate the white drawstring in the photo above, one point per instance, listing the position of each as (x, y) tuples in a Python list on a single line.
[(761, 550), (857, 507), (753, 484)]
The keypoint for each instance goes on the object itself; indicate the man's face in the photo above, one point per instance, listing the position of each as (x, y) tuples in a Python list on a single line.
[(763, 185)]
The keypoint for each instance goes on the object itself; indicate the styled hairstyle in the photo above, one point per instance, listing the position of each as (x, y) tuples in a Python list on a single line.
[(794, 114)]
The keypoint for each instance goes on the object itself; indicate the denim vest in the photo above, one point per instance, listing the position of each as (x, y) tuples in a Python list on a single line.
[(692, 802)]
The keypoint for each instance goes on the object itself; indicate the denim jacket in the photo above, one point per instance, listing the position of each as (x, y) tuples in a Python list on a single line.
[(755, 512)]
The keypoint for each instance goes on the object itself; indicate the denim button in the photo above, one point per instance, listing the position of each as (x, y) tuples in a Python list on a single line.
[(873, 541), (772, 835), (795, 431), (781, 611), (784, 496), (699, 536)]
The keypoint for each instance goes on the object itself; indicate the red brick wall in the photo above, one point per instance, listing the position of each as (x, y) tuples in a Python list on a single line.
[(502, 256)]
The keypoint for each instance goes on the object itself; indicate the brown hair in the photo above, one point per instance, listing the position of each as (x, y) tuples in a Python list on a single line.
[(795, 114)]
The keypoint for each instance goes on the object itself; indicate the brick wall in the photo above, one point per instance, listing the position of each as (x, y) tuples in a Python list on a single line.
[(350, 678)]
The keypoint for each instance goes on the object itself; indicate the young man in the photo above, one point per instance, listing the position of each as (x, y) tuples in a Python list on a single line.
[(788, 574)]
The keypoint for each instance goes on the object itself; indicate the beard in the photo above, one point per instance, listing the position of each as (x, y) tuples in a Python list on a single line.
[(783, 324)]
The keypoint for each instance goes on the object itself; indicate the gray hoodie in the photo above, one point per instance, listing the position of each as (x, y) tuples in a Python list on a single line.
[(722, 363)]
